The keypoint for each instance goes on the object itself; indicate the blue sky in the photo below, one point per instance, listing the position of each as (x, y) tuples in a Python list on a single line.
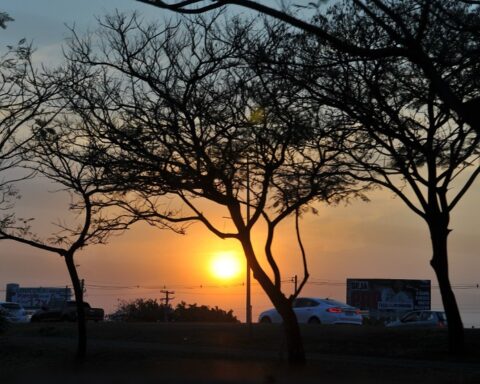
[(44, 22)]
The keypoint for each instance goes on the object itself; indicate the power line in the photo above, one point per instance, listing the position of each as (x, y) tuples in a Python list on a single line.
[(206, 286), (199, 287)]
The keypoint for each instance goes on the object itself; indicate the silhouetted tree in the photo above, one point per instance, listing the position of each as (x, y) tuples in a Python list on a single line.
[(409, 131), (175, 114), (52, 153), (404, 137), (402, 29)]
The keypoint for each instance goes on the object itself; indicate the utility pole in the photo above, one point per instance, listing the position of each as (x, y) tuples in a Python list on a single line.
[(166, 300), (167, 297), (295, 282)]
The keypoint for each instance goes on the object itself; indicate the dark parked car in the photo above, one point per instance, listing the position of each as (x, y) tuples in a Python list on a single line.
[(66, 311), (420, 319)]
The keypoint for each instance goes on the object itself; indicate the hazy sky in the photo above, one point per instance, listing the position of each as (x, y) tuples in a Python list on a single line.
[(380, 239)]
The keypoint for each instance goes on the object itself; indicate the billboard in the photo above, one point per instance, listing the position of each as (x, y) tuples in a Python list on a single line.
[(36, 297), (388, 296)]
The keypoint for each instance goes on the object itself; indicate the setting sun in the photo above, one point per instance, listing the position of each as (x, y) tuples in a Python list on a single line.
[(225, 265)]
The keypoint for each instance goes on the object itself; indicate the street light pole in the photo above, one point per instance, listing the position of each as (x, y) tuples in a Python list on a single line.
[(248, 282)]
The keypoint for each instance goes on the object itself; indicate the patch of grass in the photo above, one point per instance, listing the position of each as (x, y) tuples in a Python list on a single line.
[(163, 348), (348, 340)]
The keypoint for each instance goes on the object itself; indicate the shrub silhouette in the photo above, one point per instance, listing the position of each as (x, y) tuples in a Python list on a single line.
[(150, 310)]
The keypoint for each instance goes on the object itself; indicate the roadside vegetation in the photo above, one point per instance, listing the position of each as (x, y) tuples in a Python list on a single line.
[(150, 310)]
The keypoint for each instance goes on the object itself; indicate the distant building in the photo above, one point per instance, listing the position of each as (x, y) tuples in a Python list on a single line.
[(32, 298), (389, 298)]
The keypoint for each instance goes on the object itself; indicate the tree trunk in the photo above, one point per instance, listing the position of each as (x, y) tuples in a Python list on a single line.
[(439, 234), (81, 321), (293, 337)]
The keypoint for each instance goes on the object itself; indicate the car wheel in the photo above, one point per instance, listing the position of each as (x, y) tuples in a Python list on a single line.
[(265, 320), (314, 320)]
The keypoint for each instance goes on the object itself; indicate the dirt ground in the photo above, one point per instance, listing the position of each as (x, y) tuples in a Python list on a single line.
[(229, 353)]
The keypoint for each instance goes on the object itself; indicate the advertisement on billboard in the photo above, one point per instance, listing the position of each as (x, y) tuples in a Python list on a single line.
[(386, 296), (36, 297)]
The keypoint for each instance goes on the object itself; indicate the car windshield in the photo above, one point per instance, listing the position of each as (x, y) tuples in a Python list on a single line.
[(10, 305), (305, 302), (441, 316)]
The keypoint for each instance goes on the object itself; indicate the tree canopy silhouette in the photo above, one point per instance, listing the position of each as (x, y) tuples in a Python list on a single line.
[(402, 30), (404, 137), (172, 113), (53, 152), (391, 63)]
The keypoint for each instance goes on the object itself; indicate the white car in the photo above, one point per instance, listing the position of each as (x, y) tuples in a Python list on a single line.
[(13, 312), (317, 311)]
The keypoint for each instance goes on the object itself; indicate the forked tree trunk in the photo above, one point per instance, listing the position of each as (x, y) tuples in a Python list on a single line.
[(293, 337), (81, 321), (439, 234)]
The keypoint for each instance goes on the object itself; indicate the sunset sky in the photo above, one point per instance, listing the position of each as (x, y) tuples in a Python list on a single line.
[(379, 239)]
